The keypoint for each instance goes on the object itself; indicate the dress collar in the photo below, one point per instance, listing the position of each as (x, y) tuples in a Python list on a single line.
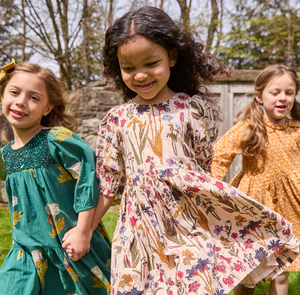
[(277, 126)]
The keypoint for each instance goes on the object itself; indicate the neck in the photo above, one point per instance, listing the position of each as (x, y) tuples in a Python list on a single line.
[(23, 136)]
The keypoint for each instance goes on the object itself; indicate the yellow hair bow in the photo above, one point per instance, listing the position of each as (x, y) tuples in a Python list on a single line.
[(5, 69)]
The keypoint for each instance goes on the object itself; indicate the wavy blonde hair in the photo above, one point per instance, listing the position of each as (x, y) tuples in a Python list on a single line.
[(255, 137), (55, 90)]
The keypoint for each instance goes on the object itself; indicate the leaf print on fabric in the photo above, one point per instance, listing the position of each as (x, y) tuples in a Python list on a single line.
[(42, 268), (100, 284), (64, 175), (61, 133), (126, 281), (72, 272), (20, 254), (16, 218), (31, 170)]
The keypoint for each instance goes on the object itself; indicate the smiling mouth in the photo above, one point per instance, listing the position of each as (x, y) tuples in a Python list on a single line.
[(145, 85), (18, 113)]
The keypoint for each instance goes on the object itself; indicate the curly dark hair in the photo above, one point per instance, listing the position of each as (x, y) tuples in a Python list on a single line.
[(193, 68)]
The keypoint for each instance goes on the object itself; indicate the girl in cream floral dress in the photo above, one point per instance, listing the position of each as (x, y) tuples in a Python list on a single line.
[(180, 231)]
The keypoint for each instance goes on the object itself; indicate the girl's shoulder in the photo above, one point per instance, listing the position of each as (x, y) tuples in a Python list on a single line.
[(294, 124)]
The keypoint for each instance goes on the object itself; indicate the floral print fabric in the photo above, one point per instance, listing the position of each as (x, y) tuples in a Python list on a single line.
[(272, 179), (180, 231), (47, 186)]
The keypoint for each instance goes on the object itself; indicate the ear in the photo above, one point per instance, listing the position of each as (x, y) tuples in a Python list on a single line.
[(173, 56), (48, 109), (258, 98)]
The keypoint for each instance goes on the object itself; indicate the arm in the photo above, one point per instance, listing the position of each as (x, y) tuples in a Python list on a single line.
[(103, 204), (80, 236), (226, 149)]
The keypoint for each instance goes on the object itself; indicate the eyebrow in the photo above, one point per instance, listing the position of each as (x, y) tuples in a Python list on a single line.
[(31, 92), (149, 57)]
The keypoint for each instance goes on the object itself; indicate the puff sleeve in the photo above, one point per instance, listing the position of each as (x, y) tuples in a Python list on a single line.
[(77, 161), (226, 148), (204, 131), (110, 162)]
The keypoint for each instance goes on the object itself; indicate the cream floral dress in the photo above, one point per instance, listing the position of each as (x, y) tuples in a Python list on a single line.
[(180, 231), (272, 179)]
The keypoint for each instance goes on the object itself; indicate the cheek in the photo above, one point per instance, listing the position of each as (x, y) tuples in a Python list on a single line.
[(126, 77), (163, 71)]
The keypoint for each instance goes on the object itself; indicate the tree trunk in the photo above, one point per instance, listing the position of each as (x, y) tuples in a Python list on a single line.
[(85, 43), (213, 25), (24, 32), (185, 12)]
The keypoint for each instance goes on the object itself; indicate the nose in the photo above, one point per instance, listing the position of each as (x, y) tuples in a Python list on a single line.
[(21, 102), (141, 76)]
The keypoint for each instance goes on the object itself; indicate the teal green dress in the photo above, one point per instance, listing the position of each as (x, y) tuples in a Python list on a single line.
[(49, 181)]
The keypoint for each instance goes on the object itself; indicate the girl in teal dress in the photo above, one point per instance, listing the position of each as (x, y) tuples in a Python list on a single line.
[(51, 188)]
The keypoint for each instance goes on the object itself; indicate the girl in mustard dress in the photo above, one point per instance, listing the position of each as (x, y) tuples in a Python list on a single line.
[(270, 144), (51, 187)]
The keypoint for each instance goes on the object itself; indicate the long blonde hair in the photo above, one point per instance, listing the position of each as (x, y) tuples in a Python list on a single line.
[(255, 137), (55, 90)]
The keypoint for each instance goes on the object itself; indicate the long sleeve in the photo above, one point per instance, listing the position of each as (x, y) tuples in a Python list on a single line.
[(77, 161), (110, 163), (226, 148), (204, 131)]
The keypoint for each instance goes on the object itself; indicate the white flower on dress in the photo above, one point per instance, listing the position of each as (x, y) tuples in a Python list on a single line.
[(75, 170), (52, 209), (37, 255), (14, 201), (97, 271)]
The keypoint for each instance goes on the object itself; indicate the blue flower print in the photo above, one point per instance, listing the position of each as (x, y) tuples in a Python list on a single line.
[(165, 173), (147, 210), (202, 265), (178, 127), (122, 229), (133, 291), (274, 245), (135, 180), (108, 139), (150, 277), (170, 161), (114, 119), (162, 107), (261, 254), (167, 117), (219, 292), (217, 230), (154, 223), (142, 108)]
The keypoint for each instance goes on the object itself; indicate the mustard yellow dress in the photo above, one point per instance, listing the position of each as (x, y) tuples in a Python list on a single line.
[(272, 179)]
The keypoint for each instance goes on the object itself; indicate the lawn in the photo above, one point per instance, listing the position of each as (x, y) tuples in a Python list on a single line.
[(109, 221)]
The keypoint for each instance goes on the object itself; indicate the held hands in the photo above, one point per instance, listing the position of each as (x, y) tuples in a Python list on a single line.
[(77, 242)]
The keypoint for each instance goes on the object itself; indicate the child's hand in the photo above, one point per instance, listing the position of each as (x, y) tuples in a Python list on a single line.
[(77, 243)]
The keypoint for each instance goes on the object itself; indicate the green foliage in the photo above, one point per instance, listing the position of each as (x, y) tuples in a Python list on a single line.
[(262, 33), (2, 169)]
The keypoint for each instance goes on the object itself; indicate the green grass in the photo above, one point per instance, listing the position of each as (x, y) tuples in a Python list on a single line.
[(5, 233), (109, 220), (294, 285)]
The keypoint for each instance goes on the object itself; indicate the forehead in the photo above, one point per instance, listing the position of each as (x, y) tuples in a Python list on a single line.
[(282, 81), (139, 48), (27, 81)]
